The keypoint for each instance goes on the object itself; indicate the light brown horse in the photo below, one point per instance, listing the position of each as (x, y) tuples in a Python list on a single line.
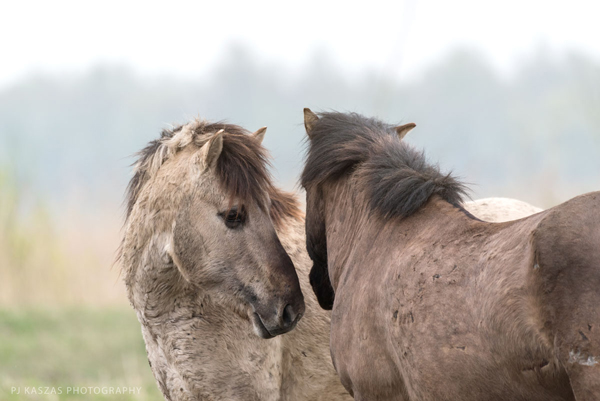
[(431, 303), (205, 260)]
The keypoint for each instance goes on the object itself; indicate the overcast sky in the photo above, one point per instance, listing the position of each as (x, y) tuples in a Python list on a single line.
[(187, 37)]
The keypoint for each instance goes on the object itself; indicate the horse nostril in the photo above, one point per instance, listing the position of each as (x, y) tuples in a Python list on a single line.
[(289, 316)]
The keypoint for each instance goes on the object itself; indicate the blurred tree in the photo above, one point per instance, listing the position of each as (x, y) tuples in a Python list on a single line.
[(70, 136)]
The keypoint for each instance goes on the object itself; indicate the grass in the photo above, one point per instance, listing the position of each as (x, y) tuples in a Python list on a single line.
[(73, 347), (64, 319)]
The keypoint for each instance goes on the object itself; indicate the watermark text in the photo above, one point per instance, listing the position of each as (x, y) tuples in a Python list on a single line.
[(76, 390)]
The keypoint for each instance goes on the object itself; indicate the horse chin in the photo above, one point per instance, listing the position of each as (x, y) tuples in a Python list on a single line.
[(259, 327)]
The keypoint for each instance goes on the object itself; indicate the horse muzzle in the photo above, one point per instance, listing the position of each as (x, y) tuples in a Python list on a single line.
[(284, 319)]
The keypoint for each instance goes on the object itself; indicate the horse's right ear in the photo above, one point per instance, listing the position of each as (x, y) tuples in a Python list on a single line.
[(210, 152), (310, 119), (402, 130)]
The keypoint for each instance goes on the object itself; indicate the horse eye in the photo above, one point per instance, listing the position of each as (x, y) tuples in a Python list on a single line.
[(234, 218)]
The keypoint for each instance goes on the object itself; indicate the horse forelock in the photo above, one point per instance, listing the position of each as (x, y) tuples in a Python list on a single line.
[(397, 179)]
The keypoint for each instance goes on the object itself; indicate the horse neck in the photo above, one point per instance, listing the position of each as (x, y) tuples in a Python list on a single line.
[(150, 275), (155, 286), (346, 216), (353, 227)]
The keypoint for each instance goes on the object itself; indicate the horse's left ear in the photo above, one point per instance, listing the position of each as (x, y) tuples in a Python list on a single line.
[(310, 119), (210, 152), (259, 135), (402, 130)]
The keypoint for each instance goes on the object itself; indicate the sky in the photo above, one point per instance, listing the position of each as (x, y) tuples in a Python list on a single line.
[(187, 38)]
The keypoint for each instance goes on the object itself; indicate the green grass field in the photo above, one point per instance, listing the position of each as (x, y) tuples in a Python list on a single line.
[(64, 317), (73, 347)]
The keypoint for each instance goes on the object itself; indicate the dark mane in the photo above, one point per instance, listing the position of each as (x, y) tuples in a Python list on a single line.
[(397, 178), (242, 167)]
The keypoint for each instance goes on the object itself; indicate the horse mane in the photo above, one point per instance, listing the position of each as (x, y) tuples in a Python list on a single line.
[(242, 167), (397, 179)]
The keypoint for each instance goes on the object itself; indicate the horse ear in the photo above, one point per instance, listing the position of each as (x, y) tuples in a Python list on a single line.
[(259, 135), (402, 130), (210, 152), (310, 119)]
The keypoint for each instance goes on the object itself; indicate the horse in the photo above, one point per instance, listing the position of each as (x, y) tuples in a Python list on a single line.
[(209, 258), (431, 303)]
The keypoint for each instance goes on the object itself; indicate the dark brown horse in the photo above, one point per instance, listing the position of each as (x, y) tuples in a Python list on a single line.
[(430, 303)]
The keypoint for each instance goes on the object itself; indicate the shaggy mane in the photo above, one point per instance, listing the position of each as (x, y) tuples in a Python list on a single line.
[(242, 167), (397, 178)]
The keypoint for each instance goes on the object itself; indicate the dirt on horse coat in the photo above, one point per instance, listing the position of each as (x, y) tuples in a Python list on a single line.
[(431, 303), (208, 258)]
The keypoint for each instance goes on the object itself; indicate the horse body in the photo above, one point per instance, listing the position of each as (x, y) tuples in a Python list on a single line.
[(497, 210), (435, 304), (447, 314)]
